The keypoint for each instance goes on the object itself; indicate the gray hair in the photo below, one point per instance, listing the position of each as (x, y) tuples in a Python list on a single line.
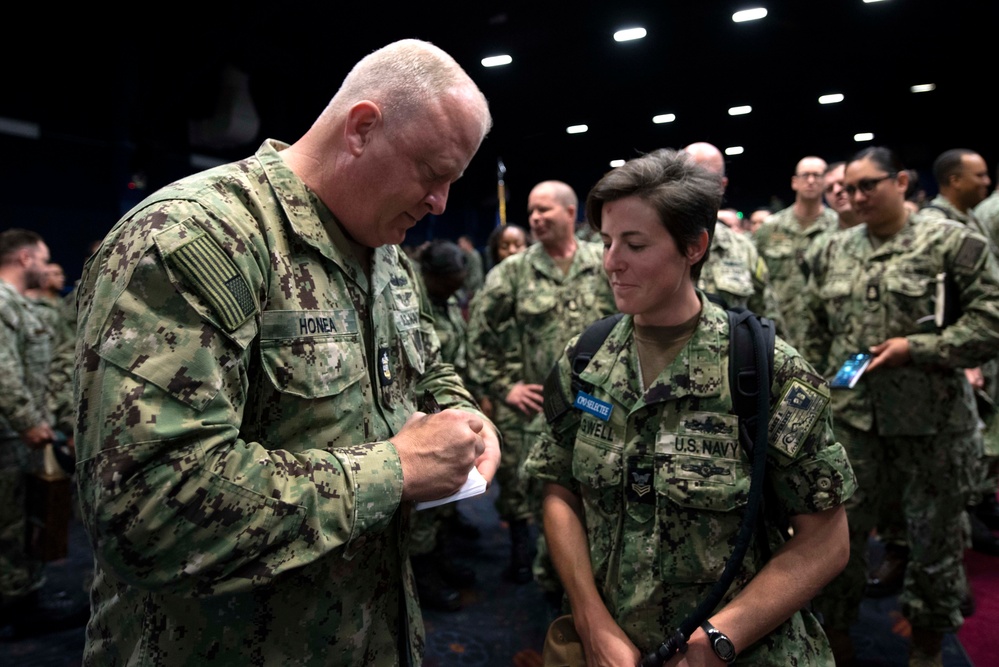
[(404, 79)]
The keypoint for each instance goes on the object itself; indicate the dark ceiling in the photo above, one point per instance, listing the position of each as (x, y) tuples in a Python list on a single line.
[(115, 94)]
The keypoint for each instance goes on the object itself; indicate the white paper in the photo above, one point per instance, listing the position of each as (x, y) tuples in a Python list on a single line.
[(473, 486)]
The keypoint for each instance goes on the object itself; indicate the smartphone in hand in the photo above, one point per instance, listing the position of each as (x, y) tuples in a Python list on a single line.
[(851, 370)]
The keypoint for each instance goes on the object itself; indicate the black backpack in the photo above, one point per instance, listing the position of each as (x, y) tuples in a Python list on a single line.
[(743, 372)]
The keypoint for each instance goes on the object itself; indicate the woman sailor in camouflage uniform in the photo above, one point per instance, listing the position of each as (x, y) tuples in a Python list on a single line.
[(646, 488)]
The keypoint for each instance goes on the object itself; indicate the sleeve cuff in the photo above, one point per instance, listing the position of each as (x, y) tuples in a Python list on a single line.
[(923, 348), (376, 476), (549, 462), (24, 419)]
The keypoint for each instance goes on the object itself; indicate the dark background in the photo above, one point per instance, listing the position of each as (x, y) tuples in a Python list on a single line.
[(126, 98)]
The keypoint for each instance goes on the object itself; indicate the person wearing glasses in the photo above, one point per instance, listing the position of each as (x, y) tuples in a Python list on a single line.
[(784, 238), (909, 424), (839, 202), (647, 482)]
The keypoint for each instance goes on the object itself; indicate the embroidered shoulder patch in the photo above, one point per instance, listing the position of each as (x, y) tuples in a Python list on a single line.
[(797, 412), (214, 277), (969, 252)]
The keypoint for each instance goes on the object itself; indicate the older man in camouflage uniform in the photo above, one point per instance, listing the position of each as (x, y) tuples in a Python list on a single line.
[(734, 270), (25, 418), (784, 240), (532, 303), (910, 423), (252, 348)]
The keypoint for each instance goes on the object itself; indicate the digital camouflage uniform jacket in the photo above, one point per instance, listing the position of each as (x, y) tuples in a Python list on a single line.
[(664, 480), (940, 207), (736, 273), (238, 378), (527, 311), (26, 348), (987, 213), (451, 331), (858, 297), (784, 246)]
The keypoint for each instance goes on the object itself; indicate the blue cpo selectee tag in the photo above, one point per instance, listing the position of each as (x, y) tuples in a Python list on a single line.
[(593, 406)]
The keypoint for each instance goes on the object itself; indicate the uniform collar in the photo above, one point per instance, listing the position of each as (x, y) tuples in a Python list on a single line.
[(698, 369), (542, 262), (314, 223)]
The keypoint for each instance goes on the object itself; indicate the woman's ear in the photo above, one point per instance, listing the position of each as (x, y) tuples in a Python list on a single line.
[(696, 250)]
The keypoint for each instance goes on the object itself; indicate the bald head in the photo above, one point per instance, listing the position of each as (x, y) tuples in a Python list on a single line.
[(708, 156), (807, 181), (401, 129), (551, 212), (559, 191)]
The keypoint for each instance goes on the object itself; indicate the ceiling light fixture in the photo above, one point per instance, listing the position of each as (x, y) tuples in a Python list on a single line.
[(754, 14), (735, 150), (923, 88), (664, 118), (496, 61), (863, 136), (832, 98), (740, 111), (629, 34), (576, 129), (616, 163)]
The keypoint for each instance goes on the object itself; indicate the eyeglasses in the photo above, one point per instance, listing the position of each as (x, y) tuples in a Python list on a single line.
[(867, 185), (808, 175)]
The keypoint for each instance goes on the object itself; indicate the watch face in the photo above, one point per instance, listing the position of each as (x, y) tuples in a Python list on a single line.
[(724, 648)]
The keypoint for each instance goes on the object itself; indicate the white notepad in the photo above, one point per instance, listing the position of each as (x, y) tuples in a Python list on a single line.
[(473, 486)]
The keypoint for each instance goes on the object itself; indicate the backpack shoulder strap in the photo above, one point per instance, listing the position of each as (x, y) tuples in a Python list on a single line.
[(743, 373), (586, 346)]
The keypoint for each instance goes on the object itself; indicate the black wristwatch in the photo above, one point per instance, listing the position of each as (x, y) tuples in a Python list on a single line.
[(720, 644)]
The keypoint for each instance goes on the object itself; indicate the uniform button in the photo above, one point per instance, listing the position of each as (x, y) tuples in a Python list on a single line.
[(824, 483)]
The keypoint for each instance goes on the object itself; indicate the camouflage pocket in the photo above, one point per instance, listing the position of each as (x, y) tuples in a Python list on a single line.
[(313, 367), (697, 519), (598, 470)]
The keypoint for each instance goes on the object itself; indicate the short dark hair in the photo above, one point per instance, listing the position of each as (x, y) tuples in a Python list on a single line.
[(949, 164), (685, 195), (834, 165), (15, 238), (441, 257), (882, 156)]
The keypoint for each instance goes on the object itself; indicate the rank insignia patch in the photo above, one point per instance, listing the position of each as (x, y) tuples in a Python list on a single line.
[(639, 483)]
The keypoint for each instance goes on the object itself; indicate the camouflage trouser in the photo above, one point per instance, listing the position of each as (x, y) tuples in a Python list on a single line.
[(989, 413), (519, 495), (929, 477), (20, 574), (425, 526)]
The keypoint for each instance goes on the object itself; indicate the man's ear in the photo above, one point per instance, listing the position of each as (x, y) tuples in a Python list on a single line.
[(24, 255), (902, 178), (362, 119)]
